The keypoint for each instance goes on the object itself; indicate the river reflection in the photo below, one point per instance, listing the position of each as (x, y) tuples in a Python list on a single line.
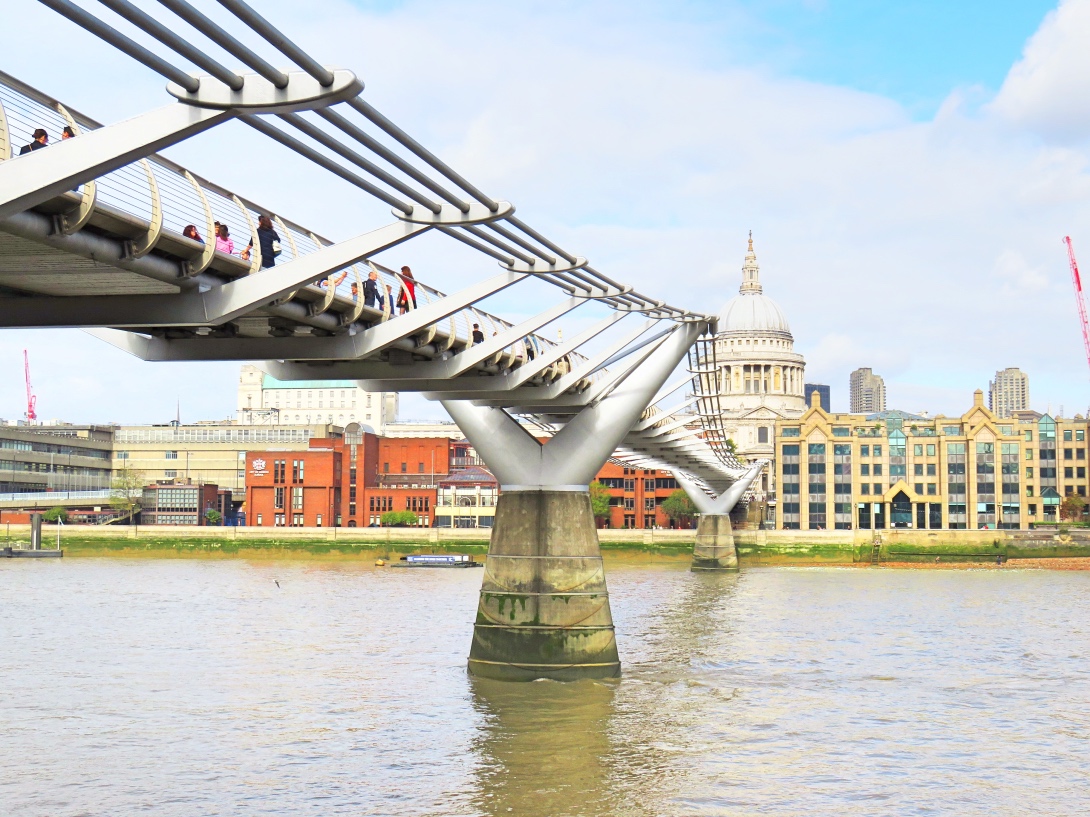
[(185, 688)]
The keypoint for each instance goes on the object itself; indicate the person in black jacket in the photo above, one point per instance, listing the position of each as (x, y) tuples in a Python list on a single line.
[(41, 140), (478, 335), (371, 295), (268, 240)]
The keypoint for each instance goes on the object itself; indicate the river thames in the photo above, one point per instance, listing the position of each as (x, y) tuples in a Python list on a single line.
[(187, 687)]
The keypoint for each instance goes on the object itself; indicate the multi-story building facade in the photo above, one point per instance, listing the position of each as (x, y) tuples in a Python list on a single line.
[(296, 488), (636, 495), (57, 457), (867, 392), (205, 452), (264, 400), (1009, 392), (892, 469), (467, 498), (182, 503)]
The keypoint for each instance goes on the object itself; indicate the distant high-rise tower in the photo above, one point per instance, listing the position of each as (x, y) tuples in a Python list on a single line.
[(821, 389), (868, 392), (1009, 392)]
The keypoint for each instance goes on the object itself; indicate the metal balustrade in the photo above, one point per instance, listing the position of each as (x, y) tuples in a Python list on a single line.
[(168, 297)]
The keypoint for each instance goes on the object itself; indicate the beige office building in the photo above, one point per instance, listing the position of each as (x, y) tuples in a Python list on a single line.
[(1009, 392), (206, 452), (867, 392), (898, 470)]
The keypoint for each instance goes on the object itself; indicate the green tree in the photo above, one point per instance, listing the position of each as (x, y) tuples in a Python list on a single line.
[(398, 519), (599, 500), (57, 514), (730, 445), (125, 491), (1072, 507), (678, 506), (212, 516)]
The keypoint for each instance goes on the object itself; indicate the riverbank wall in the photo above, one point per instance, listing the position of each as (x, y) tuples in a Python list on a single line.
[(755, 547)]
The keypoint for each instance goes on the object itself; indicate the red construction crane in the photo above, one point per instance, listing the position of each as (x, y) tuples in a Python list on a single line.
[(31, 400), (1079, 297)]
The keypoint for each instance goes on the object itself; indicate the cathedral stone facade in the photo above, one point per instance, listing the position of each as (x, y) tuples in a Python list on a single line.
[(760, 375)]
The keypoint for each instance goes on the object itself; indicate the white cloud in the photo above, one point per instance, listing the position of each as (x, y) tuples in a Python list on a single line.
[(1046, 90), (926, 250)]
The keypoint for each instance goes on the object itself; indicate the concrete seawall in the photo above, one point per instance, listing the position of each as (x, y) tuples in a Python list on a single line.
[(754, 546)]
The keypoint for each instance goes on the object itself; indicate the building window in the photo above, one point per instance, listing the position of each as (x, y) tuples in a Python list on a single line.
[(1029, 435), (1080, 435), (791, 432), (864, 488), (170, 474), (917, 469), (297, 520), (122, 455), (864, 470), (877, 450), (259, 520), (297, 499), (931, 449), (864, 450), (278, 497), (931, 469), (318, 520), (1067, 435), (932, 489), (297, 474), (762, 434), (877, 468), (170, 455), (816, 449), (917, 450)]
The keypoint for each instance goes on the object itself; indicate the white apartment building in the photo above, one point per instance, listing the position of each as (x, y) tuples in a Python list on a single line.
[(264, 400)]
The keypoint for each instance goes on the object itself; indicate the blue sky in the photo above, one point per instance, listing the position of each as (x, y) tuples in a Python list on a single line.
[(913, 51), (908, 169)]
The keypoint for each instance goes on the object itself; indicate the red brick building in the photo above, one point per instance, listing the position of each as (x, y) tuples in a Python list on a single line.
[(351, 481), (296, 488), (636, 495)]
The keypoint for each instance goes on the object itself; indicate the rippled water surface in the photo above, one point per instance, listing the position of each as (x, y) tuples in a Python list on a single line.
[(200, 688)]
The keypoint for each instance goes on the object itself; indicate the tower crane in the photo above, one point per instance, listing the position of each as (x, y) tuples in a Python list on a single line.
[(1079, 299), (31, 400)]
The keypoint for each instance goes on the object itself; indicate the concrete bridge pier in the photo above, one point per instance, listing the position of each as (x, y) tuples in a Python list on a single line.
[(714, 547), (544, 607)]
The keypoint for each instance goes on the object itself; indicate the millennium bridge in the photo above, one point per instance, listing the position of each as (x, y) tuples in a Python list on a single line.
[(92, 235)]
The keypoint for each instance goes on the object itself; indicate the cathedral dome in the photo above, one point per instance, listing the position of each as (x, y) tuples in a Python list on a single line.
[(751, 310)]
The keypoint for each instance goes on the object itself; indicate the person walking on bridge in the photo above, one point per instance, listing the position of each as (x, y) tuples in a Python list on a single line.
[(223, 240), (268, 241), (407, 299), (41, 140), (371, 296)]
